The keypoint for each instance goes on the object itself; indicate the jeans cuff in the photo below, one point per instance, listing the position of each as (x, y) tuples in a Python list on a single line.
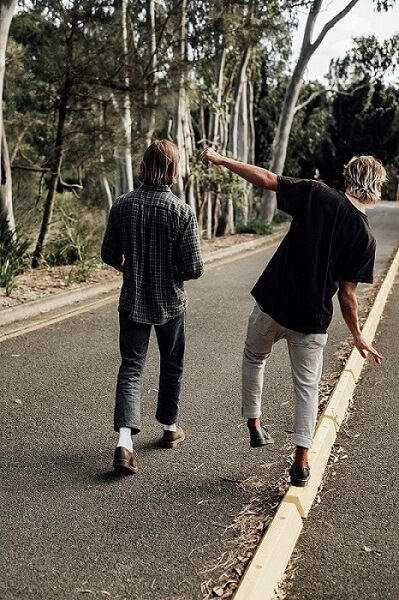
[(251, 413), (302, 440), (133, 426)]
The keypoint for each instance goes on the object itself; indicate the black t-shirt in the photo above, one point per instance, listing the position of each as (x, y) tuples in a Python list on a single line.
[(329, 241)]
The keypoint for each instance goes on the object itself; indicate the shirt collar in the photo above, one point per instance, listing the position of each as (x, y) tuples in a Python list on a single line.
[(154, 188)]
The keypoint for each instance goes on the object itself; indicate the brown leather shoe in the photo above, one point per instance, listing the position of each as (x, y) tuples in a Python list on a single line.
[(124, 461), (171, 439)]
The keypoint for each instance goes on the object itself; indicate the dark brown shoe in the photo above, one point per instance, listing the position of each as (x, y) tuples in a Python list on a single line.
[(259, 436), (124, 461), (171, 439)]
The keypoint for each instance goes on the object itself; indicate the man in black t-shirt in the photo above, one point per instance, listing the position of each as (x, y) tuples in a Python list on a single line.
[(329, 248)]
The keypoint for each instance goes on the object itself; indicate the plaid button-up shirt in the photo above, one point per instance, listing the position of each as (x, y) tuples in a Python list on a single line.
[(156, 237)]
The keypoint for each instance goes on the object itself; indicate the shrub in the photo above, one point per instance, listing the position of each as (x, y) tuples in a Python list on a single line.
[(281, 217), (81, 272), (259, 226), (13, 255), (61, 252), (72, 245)]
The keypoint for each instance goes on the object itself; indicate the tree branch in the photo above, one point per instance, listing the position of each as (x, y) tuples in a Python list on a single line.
[(330, 24), (34, 169), (314, 95), (310, 22)]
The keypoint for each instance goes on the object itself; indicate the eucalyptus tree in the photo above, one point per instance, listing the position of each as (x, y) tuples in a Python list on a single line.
[(64, 57), (310, 44), (228, 41), (7, 11)]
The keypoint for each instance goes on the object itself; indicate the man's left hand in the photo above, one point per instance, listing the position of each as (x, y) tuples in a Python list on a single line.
[(365, 349)]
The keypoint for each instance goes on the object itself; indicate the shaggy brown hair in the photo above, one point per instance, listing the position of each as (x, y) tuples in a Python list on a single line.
[(364, 176), (160, 163)]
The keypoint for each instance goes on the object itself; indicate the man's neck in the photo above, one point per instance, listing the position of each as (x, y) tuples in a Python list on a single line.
[(356, 203)]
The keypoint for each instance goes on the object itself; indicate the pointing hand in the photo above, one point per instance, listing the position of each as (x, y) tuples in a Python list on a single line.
[(211, 156)]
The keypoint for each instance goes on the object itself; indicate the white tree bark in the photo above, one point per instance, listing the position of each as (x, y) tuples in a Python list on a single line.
[(238, 135), (152, 88), (308, 48), (6, 183), (7, 11), (103, 177), (123, 153), (251, 139), (236, 107), (182, 127)]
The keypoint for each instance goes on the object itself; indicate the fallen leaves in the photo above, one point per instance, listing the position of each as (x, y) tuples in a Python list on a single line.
[(372, 551)]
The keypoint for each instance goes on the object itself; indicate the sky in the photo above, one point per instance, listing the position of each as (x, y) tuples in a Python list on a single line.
[(361, 21)]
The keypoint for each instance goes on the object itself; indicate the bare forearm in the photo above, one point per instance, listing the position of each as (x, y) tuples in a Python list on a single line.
[(349, 309), (258, 176)]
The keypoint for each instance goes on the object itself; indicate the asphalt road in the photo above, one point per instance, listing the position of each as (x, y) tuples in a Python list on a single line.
[(69, 527), (349, 545)]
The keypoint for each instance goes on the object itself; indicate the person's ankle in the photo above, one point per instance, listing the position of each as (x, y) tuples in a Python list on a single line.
[(254, 422), (301, 457)]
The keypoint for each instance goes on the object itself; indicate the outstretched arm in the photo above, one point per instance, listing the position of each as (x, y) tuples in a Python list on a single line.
[(258, 176), (348, 303)]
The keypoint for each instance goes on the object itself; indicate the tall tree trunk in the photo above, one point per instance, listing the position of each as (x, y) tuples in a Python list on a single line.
[(152, 87), (123, 153), (6, 183), (215, 136), (281, 137), (103, 177), (236, 113), (251, 139), (55, 173), (182, 128), (7, 11), (238, 127)]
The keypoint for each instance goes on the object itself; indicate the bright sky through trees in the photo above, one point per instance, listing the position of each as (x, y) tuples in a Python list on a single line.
[(363, 20)]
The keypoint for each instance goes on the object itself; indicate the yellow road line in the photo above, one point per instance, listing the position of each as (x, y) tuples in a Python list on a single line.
[(53, 320)]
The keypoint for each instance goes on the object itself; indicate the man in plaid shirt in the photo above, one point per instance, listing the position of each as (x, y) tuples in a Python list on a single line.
[(152, 237)]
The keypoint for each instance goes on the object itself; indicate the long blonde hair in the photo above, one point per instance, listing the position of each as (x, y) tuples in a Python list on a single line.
[(364, 176), (160, 163)]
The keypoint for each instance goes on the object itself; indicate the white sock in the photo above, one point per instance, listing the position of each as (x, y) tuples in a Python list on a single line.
[(125, 438), (170, 427)]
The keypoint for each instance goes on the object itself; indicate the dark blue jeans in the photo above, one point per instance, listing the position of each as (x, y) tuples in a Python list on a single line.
[(133, 342)]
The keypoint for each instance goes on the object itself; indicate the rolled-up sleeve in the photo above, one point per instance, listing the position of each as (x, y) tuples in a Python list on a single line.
[(111, 249), (189, 262)]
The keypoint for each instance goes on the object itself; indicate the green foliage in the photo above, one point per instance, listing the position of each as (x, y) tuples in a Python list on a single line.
[(369, 58), (13, 256), (81, 272), (281, 217), (259, 226), (365, 120), (76, 238), (62, 251), (219, 181), (308, 129)]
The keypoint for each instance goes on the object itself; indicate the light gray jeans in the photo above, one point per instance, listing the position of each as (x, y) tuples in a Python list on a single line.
[(306, 356)]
